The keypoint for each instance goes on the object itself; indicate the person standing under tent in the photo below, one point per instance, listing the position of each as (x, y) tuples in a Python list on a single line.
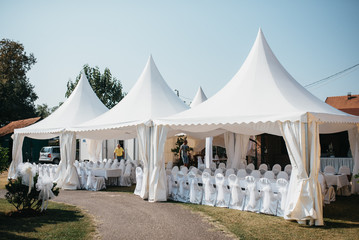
[(183, 152), (119, 153)]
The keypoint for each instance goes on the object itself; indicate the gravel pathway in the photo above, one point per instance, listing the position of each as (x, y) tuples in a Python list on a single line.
[(126, 216)]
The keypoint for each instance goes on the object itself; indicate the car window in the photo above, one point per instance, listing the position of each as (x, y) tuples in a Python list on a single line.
[(45, 150), (56, 150)]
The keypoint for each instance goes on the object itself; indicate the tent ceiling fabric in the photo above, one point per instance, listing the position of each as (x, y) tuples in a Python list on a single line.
[(82, 105), (261, 92), (150, 98)]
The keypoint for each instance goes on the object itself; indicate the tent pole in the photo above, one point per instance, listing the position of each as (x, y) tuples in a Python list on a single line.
[(307, 148)]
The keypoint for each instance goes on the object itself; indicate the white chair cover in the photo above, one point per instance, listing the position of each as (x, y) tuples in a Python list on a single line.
[(102, 165), (263, 166), (269, 175), (83, 178), (276, 169), (213, 166), (169, 165), (207, 170), (288, 169), (329, 170), (242, 166), (283, 175), (219, 170), (173, 189), (344, 170), (184, 169), (181, 179), (268, 200), (256, 173), (125, 179), (223, 193), (196, 192), (242, 173), (108, 164), (229, 172), (115, 164), (282, 185), (209, 192), (328, 194), (252, 197), (222, 165), (237, 195), (250, 166), (139, 175), (95, 183)]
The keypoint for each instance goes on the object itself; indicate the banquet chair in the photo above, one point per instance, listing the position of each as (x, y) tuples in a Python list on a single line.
[(125, 179), (184, 169), (252, 202), (241, 173), (169, 165), (223, 193), (283, 175), (200, 163), (108, 164), (114, 164), (209, 192), (329, 170), (268, 200), (242, 166), (213, 166), (102, 165), (269, 175), (282, 185), (139, 176), (95, 183), (219, 170), (288, 169), (263, 166), (328, 193), (229, 172), (222, 165), (250, 166), (345, 170), (194, 170), (237, 195), (207, 170), (181, 179), (196, 192), (276, 169), (173, 189), (83, 177), (256, 173)]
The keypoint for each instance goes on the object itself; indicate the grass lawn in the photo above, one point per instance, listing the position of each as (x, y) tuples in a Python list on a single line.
[(60, 221), (341, 222)]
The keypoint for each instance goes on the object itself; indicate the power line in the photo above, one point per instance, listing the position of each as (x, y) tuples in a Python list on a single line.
[(331, 76)]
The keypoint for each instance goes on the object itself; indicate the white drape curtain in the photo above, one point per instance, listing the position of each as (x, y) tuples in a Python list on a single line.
[(144, 140), (229, 142), (16, 154), (209, 153), (94, 148), (304, 199), (354, 147), (236, 148), (158, 183), (67, 174)]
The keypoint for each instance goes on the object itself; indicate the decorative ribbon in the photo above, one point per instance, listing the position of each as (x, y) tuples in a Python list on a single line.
[(44, 185)]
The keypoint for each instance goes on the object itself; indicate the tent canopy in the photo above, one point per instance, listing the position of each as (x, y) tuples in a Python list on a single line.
[(150, 98), (82, 105), (260, 94), (199, 98)]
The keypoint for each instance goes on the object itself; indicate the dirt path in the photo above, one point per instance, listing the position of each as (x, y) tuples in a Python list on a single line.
[(127, 216)]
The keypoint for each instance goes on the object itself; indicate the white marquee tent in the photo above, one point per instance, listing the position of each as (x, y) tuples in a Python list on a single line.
[(150, 98), (264, 98), (82, 105)]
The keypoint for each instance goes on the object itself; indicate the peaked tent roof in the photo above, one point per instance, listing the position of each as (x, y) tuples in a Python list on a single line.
[(199, 98), (261, 93), (150, 98), (82, 105)]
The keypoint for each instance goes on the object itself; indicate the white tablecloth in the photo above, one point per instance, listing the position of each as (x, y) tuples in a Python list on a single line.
[(336, 163), (107, 173), (336, 180)]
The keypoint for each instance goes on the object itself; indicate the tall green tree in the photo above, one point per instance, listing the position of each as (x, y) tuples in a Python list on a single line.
[(17, 94), (43, 110), (107, 88)]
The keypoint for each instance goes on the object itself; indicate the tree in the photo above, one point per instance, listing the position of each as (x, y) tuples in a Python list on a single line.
[(17, 94), (43, 110), (4, 159), (107, 88)]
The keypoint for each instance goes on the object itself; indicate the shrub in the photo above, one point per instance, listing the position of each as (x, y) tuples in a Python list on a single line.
[(4, 159), (24, 201)]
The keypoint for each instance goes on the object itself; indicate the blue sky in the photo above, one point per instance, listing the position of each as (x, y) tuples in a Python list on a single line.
[(194, 43)]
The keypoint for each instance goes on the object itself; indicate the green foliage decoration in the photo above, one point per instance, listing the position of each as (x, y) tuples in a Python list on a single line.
[(4, 159)]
